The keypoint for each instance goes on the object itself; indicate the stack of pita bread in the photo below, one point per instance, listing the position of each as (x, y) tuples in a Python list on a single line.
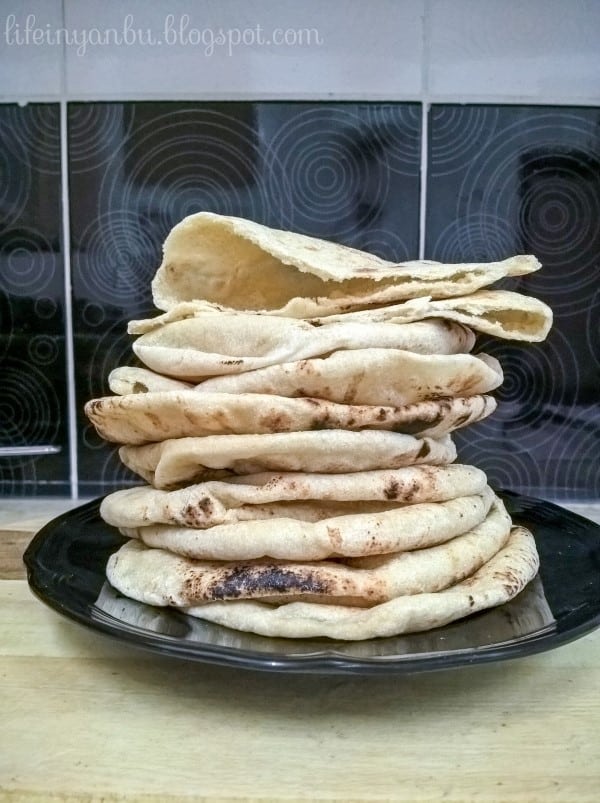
[(292, 423)]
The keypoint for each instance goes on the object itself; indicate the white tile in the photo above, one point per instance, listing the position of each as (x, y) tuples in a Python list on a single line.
[(30, 43), (546, 50), (356, 49)]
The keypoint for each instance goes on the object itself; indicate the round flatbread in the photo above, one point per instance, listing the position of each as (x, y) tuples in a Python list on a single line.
[(352, 535), (173, 463), (149, 417), (228, 501)]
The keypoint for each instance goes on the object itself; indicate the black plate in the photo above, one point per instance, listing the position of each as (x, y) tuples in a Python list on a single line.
[(67, 558)]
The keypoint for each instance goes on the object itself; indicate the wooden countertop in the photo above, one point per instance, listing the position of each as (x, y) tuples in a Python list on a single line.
[(85, 718)]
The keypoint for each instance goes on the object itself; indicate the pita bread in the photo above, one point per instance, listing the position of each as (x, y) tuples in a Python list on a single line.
[(527, 614), (309, 511), (146, 417), (218, 502), (500, 313), (235, 332), (352, 535), (243, 265), (173, 463), (369, 376), (162, 578), (496, 582), (213, 344)]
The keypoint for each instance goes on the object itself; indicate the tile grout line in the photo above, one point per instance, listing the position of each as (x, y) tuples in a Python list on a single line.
[(69, 346), (424, 130), (66, 236), (423, 177)]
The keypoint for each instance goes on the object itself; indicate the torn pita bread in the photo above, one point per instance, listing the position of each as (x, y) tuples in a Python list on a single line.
[(213, 344), (512, 316), (173, 463), (219, 501), (496, 582), (149, 417), (357, 534), (369, 376), (165, 579), (241, 264)]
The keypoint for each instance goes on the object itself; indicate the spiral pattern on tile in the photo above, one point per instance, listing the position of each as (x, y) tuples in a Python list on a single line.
[(189, 161), (384, 243), (538, 380), (478, 237), (573, 462), (29, 407), (6, 323), (111, 348), (93, 314), (335, 170), (29, 262), (117, 257), (34, 135), (592, 328), (554, 208), (397, 127), (455, 133), (491, 449), (97, 133), (43, 350), (45, 308), (15, 170)]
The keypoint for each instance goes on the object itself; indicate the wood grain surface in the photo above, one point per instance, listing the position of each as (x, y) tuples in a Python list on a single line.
[(85, 718)]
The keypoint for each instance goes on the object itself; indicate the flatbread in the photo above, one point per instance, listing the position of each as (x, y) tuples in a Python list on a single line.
[(501, 313), (159, 577), (496, 582), (352, 535), (243, 265), (176, 462), (527, 613), (146, 417), (369, 376), (219, 501), (194, 346)]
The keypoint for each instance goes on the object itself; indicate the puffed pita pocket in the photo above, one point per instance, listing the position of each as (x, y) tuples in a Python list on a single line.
[(244, 265)]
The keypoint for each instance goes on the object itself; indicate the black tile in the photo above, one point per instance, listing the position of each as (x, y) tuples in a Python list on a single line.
[(511, 179), (33, 395), (345, 171)]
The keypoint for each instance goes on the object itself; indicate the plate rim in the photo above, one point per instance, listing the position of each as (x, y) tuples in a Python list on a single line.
[(324, 661)]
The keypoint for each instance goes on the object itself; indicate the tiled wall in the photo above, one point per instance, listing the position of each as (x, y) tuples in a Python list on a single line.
[(358, 137)]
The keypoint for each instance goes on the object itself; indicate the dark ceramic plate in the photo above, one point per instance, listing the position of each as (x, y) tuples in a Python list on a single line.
[(67, 558)]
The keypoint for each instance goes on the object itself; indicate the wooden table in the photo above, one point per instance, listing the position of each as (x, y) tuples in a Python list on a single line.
[(85, 718)]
